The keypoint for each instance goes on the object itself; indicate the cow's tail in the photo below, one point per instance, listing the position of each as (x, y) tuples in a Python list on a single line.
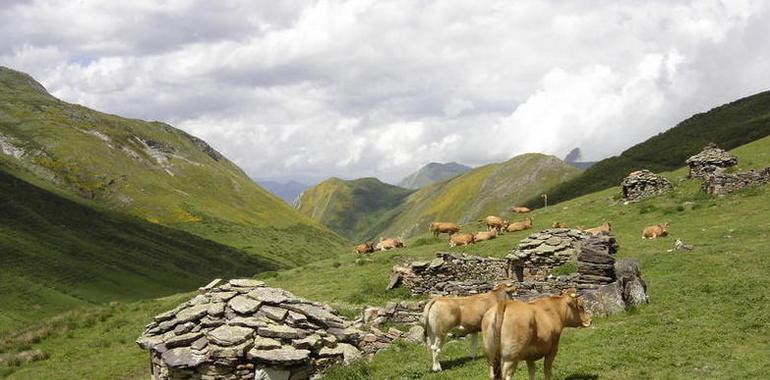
[(493, 337), (424, 320)]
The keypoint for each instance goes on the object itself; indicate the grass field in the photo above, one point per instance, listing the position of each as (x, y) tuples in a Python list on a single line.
[(709, 315)]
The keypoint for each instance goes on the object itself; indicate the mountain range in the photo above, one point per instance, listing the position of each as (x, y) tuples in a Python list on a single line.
[(431, 173)]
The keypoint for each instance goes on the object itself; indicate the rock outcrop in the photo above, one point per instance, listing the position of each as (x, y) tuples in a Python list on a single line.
[(643, 184), (241, 329), (711, 160)]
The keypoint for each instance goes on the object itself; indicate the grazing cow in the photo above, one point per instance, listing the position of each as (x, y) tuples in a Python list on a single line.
[(520, 209), (606, 227), (388, 244), (495, 223), (559, 225), (520, 226), (461, 239), (656, 231), (366, 247), (442, 314), (444, 228), (515, 331), (484, 235)]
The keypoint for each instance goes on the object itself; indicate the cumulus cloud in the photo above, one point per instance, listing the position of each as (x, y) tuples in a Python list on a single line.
[(295, 89)]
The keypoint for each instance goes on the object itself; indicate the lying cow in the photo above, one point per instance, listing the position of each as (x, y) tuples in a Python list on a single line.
[(520, 226), (388, 244), (559, 225), (656, 231), (514, 331), (606, 227), (520, 210), (484, 235), (495, 223), (442, 314), (366, 247), (444, 228), (461, 239)]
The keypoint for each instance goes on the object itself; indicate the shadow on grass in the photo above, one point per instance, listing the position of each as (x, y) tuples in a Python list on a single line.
[(582, 376), (457, 362)]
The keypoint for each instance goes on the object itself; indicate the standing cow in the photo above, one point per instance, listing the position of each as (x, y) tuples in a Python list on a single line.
[(444, 228)]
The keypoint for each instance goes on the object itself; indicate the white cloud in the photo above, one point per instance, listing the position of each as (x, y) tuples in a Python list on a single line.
[(362, 88)]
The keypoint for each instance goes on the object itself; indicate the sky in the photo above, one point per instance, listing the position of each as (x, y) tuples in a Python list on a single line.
[(310, 89)]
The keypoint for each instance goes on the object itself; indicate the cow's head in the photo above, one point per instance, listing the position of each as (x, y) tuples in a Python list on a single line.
[(577, 316), (503, 289)]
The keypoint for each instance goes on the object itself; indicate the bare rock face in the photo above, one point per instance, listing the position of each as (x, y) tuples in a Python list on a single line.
[(241, 329), (643, 184), (711, 160)]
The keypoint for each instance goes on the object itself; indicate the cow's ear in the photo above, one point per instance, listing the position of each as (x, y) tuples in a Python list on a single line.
[(570, 292)]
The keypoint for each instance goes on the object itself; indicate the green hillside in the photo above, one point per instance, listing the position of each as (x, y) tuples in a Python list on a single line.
[(486, 190), (708, 316), (149, 170), (431, 173), (729, 125), (57, 254), (356, 209)]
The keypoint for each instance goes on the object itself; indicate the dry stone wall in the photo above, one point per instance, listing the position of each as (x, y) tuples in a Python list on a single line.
[(725, 183), (241, 329), (643, 184), (451, 273)]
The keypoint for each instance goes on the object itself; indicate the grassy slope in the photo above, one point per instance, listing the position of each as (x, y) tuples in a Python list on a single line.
[(730, 125), (709, 315), (486, 190), (57, 254), (355, 209), (183, 184)]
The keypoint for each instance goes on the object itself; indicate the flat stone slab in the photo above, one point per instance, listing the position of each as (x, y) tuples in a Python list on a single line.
[(183, 340), (270, 295), (230, 335), (280, 331), (246, 283), (264, 343), (244, 305), (192, 313), (182, 357), (280, 356), (274, 313), (317, 314)]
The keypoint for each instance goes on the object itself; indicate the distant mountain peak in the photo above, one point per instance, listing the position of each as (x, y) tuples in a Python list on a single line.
[(433, 172)]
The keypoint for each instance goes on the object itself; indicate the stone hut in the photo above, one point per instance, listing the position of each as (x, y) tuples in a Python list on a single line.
[(719, 183), (242, 329), (539, 253), (643, 184), (710, 160)]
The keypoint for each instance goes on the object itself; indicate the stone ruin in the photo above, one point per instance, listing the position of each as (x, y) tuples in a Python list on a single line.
[(451, 273), (643, 184), (711, 160), (724, 183), (241, 329), (531, 264)]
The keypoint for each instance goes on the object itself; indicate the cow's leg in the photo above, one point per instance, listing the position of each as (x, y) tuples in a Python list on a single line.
[(548, 364), (474, 344), (508, 368), (531, 368), (436, 350)]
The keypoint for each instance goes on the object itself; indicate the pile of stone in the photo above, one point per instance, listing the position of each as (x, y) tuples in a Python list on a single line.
[(543, 251), (643, 184), (711, 160), (241, 329), (628, 291), (595, 262), (450, 273), (725, 183), (404, 313)]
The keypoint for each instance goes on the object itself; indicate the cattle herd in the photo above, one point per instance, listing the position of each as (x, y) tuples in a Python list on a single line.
[(512, 331)]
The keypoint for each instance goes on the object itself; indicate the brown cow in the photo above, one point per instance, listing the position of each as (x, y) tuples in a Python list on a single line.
[(656, 231), (388, 244), (520, 209), (442, 314), (559, 225), (495, 223), (515, 331), (520, 226), (461, 239), (606, 227), (484, 235), (444, 228), (366, 247)]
